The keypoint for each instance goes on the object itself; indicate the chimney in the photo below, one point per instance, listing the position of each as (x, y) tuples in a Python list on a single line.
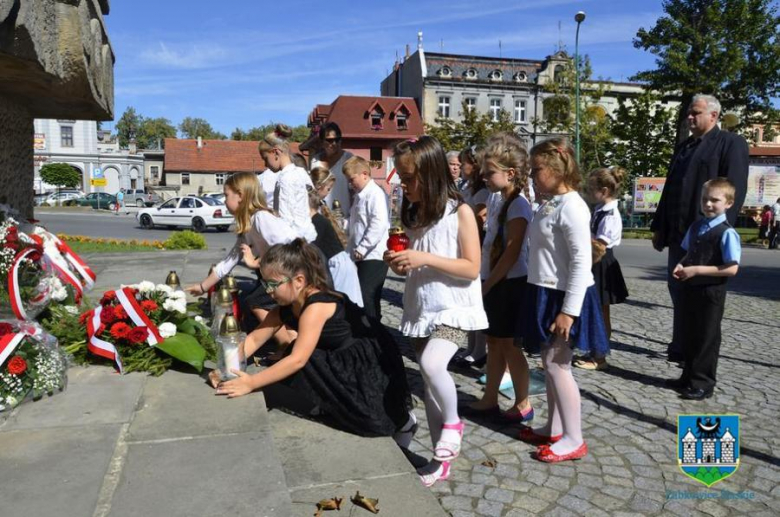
[(419, 41), (132, 148), (200, 143)]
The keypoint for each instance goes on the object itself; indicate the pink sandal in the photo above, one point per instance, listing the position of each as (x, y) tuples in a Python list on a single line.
[(448, 451), (440, 474)]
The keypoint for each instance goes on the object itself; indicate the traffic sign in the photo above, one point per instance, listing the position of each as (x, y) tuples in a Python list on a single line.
[(98, 182)]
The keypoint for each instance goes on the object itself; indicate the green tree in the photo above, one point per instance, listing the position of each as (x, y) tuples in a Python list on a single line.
[(60, 175), (154, 131), (127, 126), (299, 133), (193, 127), (559, 114), (726, 48), (473, 129), (644, 133)]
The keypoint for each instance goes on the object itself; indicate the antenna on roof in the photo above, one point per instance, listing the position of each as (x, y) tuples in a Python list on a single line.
[(499, 48), (560, 39), (419, 41)]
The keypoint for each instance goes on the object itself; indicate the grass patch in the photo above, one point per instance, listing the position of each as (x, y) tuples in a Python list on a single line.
[(747, 235), (83, 244)]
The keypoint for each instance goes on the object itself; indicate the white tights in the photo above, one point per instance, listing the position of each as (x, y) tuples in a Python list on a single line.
[(441, 397), (563, 397)]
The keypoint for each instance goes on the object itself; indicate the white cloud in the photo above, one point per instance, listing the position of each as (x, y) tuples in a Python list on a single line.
[(188, 56)]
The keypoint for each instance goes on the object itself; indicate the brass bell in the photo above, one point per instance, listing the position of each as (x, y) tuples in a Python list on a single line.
[(172, 280), (224, 297), (229, 326), (231, 284), (396, 230), (336, 205)]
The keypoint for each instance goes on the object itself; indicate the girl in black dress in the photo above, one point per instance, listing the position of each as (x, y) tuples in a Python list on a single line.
[(347, 368)]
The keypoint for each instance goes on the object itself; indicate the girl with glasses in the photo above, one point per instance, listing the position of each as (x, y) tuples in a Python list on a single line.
[(341, 366)]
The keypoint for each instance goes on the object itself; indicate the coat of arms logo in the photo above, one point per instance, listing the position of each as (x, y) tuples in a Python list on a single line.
[(708, 446)]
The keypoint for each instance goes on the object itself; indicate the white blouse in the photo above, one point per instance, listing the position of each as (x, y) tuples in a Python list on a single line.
[(291, 200), (519, 209), (610, 229), (340, 190), (266, 230), (369, 223), (268, 180), (433, 298), (559, 246)]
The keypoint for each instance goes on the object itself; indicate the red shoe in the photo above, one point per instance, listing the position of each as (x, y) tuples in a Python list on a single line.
[(528, 435), (545, 454)]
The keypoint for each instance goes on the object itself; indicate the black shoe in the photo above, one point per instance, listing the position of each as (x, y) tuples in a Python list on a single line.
[(675, 357), (491, 412), (676, 384), (692, 393)]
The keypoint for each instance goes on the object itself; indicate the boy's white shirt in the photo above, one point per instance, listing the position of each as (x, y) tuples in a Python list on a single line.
[(369, 222)]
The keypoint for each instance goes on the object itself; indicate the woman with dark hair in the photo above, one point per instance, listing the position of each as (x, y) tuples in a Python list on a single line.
[(333, 157), (341, 366)]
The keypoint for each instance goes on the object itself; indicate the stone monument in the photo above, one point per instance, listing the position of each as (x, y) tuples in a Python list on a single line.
[(55, 62)]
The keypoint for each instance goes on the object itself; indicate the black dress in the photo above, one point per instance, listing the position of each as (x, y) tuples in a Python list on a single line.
[(356, 375)]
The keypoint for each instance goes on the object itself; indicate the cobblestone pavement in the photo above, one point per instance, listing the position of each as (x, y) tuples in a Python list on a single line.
[(629, 423)]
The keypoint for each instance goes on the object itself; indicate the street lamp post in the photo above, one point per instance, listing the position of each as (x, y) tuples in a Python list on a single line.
[(579, 18)]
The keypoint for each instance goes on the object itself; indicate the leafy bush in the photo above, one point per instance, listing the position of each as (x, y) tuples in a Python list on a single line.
[(186, 240)]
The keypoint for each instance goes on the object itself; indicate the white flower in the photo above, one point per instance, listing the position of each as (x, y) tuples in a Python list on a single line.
[(173, 305), (200, 320), (162, 288), (146, 287), (71, 309), (178, 295), (167, 329)]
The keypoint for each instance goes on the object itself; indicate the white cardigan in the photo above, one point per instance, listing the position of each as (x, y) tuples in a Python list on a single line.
[(559, 255)]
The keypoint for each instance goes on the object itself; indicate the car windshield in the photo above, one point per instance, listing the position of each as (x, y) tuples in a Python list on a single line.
[(210, 201)]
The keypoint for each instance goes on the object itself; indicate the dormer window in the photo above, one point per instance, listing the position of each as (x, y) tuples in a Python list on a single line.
[(400, 120), (470, 74), (445, 71), (376, 120), (496, 75), (521, 77)]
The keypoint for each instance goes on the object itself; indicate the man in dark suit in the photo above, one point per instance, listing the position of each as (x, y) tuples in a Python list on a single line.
[(706, 154)]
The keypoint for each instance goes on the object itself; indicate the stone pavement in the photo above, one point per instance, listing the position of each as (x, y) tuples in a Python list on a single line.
[(630, 420)]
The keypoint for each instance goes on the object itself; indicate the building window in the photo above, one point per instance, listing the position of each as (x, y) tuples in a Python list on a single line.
[(445, 71), (471, 103), (470, 74), (221, 177), (376, 120), (496, 75), (444, 106), (155, 171), (375, 154), (520, 114), (400, 121), (185, 178), (66, 134), (521, 77), (495, 109)]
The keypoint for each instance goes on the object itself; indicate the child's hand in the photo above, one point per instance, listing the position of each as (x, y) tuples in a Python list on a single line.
[(408, 259), (562, 325), (249, 257), (236, 387), (685, 273), (214, 378), (194, 289), (357, 256), (388, 257)]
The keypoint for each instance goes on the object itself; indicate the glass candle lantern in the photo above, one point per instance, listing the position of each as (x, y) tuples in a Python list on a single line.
[(398, 240), (229, 356), (222, 305)]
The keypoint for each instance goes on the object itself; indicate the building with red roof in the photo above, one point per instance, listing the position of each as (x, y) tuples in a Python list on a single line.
[(198, 166), (370, 127)]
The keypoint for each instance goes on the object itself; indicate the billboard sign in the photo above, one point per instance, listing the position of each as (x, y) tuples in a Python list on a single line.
[(763, 186), (647, 194)]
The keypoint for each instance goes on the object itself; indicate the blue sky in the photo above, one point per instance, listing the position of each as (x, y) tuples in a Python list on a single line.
[(242, 63)]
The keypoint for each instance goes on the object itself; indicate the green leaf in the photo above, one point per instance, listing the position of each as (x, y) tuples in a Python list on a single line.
[(185, 348), (188, 326)]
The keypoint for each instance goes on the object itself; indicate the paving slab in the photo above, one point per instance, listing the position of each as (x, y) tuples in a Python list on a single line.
[(54, 471), (94, 396), (399, 495), (180, 405), (236, 475)]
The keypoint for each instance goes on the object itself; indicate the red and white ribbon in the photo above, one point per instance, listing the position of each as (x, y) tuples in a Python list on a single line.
[(65, 273), (78, 264), (99, 346), (13, 284), (130, 304), (8, 344)]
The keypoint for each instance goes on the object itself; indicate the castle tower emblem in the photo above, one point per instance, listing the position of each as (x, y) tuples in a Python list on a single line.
[(708, 446)]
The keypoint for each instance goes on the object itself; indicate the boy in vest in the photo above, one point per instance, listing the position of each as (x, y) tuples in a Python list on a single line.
[(712, 255)]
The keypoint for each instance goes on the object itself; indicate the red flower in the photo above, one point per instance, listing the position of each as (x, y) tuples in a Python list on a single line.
[(149, 306), (108, 297), (107, 315), (120, 330), (137, 335), (17, 365), (6, 328), (120, 313), (84, 317)]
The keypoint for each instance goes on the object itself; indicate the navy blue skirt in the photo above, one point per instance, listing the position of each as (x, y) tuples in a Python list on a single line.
[(543, 305)]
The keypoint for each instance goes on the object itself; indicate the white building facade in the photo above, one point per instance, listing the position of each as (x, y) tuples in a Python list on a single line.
[(77, 143)]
